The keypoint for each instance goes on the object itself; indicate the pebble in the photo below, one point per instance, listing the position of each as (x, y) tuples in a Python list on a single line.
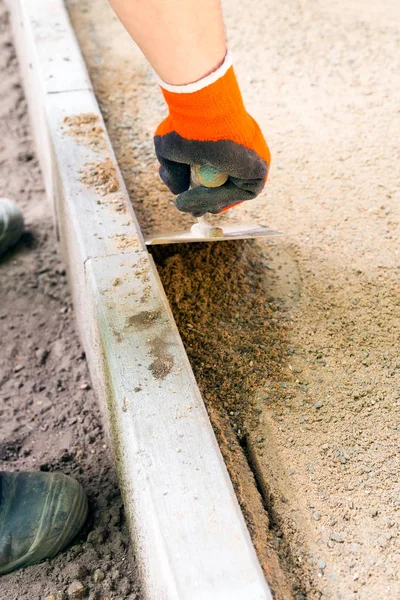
[(318, 404), (76, 590), (321, 564), (316, 516), (98, 576)]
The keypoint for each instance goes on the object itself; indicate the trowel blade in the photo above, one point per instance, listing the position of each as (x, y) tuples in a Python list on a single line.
[(229, 232)]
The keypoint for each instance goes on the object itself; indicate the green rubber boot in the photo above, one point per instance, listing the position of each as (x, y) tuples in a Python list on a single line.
[(11, 224), (40, 513)]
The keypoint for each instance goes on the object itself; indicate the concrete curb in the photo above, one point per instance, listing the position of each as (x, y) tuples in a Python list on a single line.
[(189, 533)]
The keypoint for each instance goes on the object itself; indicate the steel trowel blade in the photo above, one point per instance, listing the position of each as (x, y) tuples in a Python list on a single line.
[(227, 232)]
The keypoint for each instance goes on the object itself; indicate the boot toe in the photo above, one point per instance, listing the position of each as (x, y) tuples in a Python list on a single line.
[(11, 224), (40, 513)]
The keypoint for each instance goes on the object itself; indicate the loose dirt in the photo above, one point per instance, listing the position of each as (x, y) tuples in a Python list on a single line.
[(86, 130), (49, 418), (295, 343)]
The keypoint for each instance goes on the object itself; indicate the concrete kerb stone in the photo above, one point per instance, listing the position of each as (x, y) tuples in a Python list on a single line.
[(189, 533)]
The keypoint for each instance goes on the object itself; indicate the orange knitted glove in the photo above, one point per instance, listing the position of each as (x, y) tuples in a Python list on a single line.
[(208, 124)]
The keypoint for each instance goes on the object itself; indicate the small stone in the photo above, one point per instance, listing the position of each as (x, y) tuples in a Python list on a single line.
[(76, 590), (318, 405), (50, 598), (84, 386), (316, 516), (98, 576), (374, 512), (321, 564), (97, 536)]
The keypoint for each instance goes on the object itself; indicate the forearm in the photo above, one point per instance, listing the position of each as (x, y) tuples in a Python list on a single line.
[(183, 40)]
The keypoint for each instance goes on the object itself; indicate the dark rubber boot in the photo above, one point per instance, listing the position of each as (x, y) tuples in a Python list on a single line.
[(40, 513), (11, 224)]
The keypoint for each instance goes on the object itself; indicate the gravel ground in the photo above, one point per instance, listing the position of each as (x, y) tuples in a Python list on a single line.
[(316, 404), (49, 416)]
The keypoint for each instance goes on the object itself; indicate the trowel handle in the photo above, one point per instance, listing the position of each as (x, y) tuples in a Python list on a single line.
[(207, 176)]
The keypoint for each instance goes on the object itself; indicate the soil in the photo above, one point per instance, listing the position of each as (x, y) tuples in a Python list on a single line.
[(49, 418)]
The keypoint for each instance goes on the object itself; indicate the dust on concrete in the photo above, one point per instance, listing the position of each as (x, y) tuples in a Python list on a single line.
[(320, 79), (86, 129), (123, 242), (50, 419), (100, 175), (144, 319), (163, 362)]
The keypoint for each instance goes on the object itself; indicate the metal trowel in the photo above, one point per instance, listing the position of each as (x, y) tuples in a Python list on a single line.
[(203, 230)]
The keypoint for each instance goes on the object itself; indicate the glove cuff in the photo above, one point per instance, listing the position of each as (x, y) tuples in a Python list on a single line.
[(189, 88), (212, 113)]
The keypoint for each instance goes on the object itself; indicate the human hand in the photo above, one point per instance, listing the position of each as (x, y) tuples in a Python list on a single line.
[(208, 124)]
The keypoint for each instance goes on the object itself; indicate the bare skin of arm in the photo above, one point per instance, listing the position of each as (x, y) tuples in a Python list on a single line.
[(184, 40)]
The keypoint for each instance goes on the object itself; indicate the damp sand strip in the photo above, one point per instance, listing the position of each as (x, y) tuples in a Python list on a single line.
[(190, 536)]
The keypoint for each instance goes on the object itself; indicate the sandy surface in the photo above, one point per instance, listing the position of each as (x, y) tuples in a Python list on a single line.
[(49, 418), (294, 343)]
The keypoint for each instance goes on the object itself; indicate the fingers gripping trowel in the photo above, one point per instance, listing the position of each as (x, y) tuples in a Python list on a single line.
[(203, 231)]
